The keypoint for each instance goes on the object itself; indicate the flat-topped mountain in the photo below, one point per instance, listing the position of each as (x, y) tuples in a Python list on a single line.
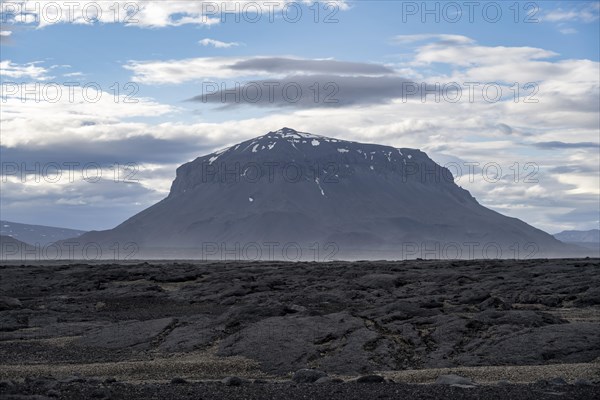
[(288, 193)]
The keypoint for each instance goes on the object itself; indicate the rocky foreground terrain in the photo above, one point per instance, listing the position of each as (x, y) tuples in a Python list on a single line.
[(364, 330)]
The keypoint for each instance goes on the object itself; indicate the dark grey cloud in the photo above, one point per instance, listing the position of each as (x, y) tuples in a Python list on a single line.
[(507, 130), (585, 215), (139, 149), (577, 169), (312, 91), (98, 198), (290, 65), (586, 102), (82, 204), (562, 145)]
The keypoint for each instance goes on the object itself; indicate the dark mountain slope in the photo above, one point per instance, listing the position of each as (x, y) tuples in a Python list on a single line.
[(286, 190)]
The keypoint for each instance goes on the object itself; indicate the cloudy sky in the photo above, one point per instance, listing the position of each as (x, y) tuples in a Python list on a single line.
[(101, 101)]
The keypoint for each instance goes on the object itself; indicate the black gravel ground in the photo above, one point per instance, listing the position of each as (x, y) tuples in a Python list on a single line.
[(289, 391), (154, 321)]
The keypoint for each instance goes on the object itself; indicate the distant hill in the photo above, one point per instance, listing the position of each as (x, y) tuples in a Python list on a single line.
[(587, 239), (591, 236), (11, 248), (7, 240), (37, 234)]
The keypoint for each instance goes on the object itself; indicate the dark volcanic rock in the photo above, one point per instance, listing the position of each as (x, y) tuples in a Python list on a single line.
[(495, 303), (582, 382), (370, 379), (308, 375), (191, 333), (565, 342), (12, 321), (9, 303), (234, 381), (558, 381), (334, 342), (126, 334), (347, 318), (292, 391), (324, 379), (379, 281), (453, 380)]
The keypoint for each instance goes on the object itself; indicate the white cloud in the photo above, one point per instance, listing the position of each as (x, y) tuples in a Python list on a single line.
[(29, 70), (454, 39), (588, 13), (217, 43), (465, 54), (568, 31), (51, 114), (5, 33), (584, 184), (73, 74), (179, 71), (203, 68)]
